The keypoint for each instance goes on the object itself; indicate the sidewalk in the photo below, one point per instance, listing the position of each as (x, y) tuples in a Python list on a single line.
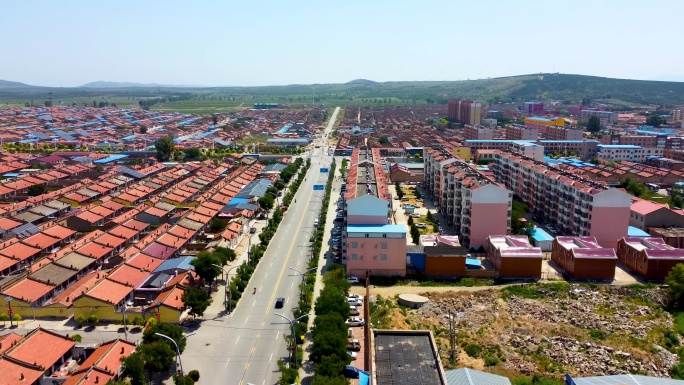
[(306, 370), (217, 308)]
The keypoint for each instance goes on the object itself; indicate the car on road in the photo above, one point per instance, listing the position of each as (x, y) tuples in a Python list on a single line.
[(280, 302), (353, 310), (353, 345), (354, 321), (421, 225), (352, 355), (252, 230), (351, 279), (414, 215)]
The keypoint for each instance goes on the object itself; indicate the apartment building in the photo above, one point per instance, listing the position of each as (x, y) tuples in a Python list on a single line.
[(478, 132), (650, 141), (542, 123), (620, 152), (564, 133), (535, 108), (573, 204), (465, 111), (518, 132), (584, 149), (471, 202), (606, 117)]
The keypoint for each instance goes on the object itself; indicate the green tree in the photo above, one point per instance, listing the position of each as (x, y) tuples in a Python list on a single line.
[(77, 338), (133, 368), (410, 221), (266, 202), (655, 120), (170, 330), (675, 285), (331, 345), (594, 124), (677, 201), (225, 255), (158, 356), (204, 267), (196, 299), (325, 380), (331, 300), (383, 140), (192, 153), (165, 148), (35, 190), (217, 225), (143, 130), (677, 371)]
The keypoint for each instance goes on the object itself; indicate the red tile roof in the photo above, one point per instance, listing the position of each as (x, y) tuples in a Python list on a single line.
[(41, 347)]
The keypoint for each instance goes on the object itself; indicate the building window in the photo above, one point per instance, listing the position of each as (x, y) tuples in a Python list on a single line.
[(383, 257), (384, 235), (354, 257), (384, 245), (354, 245), (367, 235)]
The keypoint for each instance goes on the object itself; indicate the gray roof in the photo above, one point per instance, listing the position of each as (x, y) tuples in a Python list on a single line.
[(274, 167), (25, 230), (43, 210), (195, 185), (255, 188), (367, 205), (88, 193), (53, 274), (405, 357), (74, 261), (625, 379), (153, 185), (28, 217), (57, 204), (465, 376), (190, 224), (180, 263), (164, 206), (155, 281)]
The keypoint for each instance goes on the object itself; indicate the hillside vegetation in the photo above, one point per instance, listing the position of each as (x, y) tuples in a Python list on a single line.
[(505, 89)]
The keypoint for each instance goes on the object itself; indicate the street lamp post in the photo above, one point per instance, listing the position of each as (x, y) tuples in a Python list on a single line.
[(293, 323), (312, 242), (303, 275), (178, 357), (225, 283)]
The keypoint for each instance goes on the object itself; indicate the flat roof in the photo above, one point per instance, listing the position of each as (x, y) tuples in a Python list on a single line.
[(406, 357), (397, 229)]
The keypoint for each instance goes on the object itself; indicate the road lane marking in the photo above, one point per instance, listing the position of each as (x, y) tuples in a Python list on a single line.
[(238, 339), (246, 319), (254, 304), (270, 359)]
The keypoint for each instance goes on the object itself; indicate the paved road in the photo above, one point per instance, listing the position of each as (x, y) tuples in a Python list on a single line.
[(245, 346)]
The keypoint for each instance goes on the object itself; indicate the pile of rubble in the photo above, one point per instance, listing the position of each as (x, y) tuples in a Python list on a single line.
[(552, 333)]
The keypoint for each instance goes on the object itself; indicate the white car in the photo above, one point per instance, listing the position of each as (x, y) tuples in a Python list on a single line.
[(414, 215), (352, 355), (354, 302), (352, 280), (353, 296), (354, 321), (421, 225)]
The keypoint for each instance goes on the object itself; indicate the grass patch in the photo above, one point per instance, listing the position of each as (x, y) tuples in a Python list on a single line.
[(458, 282), (598, 335), (522, 291), (679, 322)]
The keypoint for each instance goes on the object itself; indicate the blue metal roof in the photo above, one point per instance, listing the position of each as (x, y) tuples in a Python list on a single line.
[(636, 232), (394, 229), (620, 146), (111, 158), (181, 263)]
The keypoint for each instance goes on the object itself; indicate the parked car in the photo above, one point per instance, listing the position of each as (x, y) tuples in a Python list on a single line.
[(280, 302), (419, 199), (352, 355), (353, 296), (351, 372), (354, 321), (353, 310), (315, 222), (354, 302), (421, 225), (339, 219), (414, 215), (354, 345), (351, 279)]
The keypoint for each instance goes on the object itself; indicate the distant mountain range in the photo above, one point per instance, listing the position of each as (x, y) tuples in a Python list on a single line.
[(103, 84), (542, 87)]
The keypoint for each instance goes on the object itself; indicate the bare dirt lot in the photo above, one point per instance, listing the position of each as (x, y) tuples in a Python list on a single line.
[(551, 329)]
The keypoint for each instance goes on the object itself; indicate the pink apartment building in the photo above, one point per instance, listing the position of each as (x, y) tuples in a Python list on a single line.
[(370, 245), (576, 205), (470, 201)]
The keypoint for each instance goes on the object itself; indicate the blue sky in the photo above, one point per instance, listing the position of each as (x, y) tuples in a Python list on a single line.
[(266, 42)]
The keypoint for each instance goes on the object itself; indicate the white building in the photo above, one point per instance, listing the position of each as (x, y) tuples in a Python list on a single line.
[(631, 153), (606, 117)]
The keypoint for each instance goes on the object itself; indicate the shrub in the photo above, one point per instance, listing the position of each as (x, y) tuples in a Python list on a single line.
[(92, 319), (194, 374), (491, 361), (81, 319), (151, 321), (77, 337), (597, 334), (16, 317), (473, 350)]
